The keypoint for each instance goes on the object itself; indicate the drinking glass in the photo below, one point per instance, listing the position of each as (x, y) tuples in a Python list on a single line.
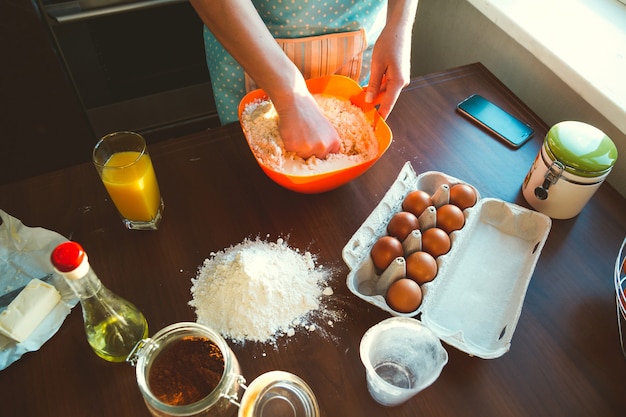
[(126, 170), (401, 358)]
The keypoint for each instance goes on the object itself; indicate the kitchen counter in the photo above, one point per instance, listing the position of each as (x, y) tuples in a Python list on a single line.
[(565, 357)]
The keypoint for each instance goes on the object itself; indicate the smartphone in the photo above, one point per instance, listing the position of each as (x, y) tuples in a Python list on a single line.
[(506, 127)]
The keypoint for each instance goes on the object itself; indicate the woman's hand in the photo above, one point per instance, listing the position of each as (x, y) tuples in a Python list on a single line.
[(304, 129), (391, 57)]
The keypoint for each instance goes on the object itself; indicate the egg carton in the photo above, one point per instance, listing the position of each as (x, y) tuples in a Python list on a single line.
[(475, 301)]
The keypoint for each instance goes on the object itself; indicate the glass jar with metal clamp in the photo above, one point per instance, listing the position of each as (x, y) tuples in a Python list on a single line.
[(187, 369)]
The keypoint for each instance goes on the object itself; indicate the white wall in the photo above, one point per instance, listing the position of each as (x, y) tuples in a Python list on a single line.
[(450, 33)]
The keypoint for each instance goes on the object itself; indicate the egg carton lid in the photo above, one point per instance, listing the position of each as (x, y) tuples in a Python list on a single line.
[(476, 299)]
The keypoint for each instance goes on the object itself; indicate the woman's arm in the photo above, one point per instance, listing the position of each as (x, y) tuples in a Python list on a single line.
[(240, 29), (391, 57)]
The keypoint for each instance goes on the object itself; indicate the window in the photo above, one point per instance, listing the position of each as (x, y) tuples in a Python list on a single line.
[(582, 41)]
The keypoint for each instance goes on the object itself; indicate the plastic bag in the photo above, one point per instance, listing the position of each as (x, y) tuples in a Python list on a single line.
[(24, 255)]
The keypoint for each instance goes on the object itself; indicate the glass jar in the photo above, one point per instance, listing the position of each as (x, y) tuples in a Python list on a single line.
[(273, 394), (220, 402)]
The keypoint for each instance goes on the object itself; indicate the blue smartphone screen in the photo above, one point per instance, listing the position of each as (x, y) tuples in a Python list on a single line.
[(496, 120)]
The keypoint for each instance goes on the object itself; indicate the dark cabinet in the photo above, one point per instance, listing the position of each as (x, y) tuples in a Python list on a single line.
[(42, 125), (135, 64), (47, 121)]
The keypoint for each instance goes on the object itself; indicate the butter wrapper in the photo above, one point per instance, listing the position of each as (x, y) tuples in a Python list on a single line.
[(25, 258)]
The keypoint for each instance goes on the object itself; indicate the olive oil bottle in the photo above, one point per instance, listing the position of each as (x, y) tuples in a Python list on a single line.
[(113, 325)]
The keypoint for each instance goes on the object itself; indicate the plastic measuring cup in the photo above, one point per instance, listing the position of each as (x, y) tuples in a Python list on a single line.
[(401, 358)]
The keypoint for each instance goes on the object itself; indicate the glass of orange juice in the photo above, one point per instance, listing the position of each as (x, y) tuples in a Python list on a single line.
[(125, 168)]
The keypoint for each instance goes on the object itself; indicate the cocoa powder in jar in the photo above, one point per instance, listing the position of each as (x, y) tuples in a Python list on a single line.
[(186, 371)]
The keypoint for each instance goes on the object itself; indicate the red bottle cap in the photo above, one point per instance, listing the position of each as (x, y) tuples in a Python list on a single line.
[(67, 256)]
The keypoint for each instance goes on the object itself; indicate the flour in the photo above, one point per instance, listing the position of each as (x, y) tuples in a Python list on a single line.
[(358, 141), (258, 290)]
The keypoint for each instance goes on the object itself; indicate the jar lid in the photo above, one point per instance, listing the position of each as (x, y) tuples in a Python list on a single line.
[(278, 393), (584, 150)]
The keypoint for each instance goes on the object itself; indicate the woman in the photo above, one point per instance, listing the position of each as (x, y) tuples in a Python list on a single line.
[(275, 44)]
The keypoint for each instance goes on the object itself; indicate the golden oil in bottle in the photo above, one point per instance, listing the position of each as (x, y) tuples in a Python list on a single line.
[(113, 325), (114, 337)]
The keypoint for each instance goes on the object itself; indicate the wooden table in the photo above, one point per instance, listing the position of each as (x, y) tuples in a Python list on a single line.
[(565, 357)]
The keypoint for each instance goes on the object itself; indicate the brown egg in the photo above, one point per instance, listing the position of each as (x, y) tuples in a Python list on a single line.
[(462, 195), (385, 250), (436, 242), (401, 224), (416, 202), (404, 295), (421, 267), (450, 218)]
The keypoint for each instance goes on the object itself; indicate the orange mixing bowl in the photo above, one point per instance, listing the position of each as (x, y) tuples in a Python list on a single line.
[(343, 88)]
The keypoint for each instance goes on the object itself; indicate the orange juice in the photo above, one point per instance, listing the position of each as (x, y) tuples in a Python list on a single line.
[(132, 185)]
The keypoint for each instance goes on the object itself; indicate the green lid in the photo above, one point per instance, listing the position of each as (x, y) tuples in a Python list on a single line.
[(583, 149)]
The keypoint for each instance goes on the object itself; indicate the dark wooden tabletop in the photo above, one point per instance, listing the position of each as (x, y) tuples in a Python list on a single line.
[(565, 358)]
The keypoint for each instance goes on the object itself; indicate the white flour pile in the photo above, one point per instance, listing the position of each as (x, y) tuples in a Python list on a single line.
[(358, 141), (258, 290)]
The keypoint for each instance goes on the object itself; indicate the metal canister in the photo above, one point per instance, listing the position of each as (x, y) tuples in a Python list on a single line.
[(573, 162)]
